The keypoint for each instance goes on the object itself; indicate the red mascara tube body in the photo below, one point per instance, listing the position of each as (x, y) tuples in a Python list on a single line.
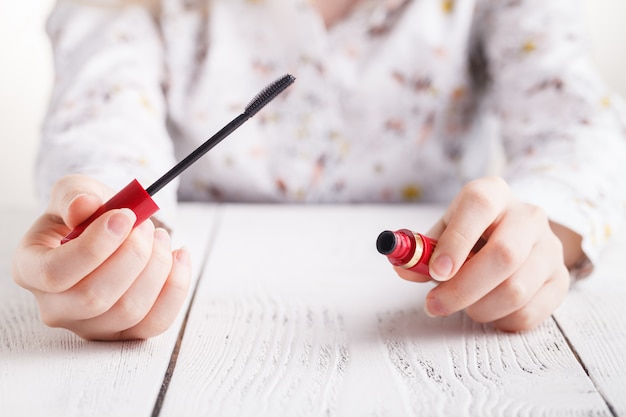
[(133, 196), (407, 249)]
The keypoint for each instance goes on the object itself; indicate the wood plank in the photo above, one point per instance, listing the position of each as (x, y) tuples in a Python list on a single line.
[(296, 314), (593, 319), (52, 372)]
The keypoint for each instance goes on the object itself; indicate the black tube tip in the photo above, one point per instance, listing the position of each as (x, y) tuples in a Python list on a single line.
[(386, 242)]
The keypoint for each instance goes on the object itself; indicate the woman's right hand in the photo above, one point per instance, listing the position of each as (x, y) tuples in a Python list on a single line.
[(112, 282)]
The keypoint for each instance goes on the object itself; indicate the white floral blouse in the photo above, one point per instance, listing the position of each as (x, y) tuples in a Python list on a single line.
[(402, 101)]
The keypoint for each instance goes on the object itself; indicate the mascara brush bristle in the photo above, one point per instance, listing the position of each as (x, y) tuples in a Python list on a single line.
[(257, 103), (268, 94)]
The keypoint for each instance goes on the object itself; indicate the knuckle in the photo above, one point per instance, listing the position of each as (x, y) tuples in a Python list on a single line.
[(475, 193), (132, 310), (516, 292), (504, 253), (484, 195), (93, 302)]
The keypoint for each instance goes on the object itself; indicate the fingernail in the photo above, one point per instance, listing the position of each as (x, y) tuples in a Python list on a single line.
[(441, 268), (183, 256), (76, 197), (120, 223), (162, 236), (434, 308)]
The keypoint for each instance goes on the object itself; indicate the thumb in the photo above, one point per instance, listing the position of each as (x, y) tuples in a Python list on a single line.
[(80, 208), (75, 197)]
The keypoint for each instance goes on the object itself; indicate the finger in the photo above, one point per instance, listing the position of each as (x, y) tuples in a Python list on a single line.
[(104, 286), (477, 206), (79, 209), (42, 235), (135, 304), (169, 303), (437, 229), (70, 187), (547, 299), (50, 228), (517, 291), (59, 268), (506, 250)]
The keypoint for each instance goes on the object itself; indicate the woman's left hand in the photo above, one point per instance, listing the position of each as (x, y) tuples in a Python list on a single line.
[(517, 278)]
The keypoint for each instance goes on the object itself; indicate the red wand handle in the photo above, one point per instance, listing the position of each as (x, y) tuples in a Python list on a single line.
[(133, 196)]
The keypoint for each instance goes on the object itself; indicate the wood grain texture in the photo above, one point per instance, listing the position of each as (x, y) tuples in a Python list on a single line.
[(296, 314), (52, 372), (593, 319)]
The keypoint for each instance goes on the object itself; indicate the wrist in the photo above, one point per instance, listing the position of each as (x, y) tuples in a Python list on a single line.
[(572, 244)]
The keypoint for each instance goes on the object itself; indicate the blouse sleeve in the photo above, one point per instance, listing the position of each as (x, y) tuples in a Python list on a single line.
[(563, 130), (106, 118)]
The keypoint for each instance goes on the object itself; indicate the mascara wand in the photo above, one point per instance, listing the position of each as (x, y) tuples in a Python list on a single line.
[(139, 200)]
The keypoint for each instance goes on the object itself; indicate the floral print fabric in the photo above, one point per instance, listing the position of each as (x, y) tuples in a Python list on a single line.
[(402, 101)]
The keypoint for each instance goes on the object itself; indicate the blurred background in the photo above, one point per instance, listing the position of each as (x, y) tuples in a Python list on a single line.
[(26, 78)]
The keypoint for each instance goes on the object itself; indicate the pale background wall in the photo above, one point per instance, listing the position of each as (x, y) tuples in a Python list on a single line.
[(26, 76)]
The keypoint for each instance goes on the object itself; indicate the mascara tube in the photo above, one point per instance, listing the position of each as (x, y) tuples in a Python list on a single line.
[(133, 196), (139, 200), (406, 249)]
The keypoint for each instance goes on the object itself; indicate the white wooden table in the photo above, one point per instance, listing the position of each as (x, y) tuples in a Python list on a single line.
[(296, 314)]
